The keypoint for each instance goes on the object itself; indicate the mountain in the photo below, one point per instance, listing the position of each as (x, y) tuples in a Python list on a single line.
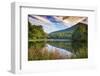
[(81, 33), (68, 33)]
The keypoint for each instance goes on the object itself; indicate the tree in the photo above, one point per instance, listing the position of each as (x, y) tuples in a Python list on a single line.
[(80, 34), (36, 32)]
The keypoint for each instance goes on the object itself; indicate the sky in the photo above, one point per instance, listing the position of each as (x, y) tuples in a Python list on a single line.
[(54, 23)]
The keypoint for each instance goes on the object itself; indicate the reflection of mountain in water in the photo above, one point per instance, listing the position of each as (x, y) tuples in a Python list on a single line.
[(61, 44), (57, 50), (63, 53)]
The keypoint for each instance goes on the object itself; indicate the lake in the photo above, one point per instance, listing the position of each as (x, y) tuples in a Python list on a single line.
[(52, 50)]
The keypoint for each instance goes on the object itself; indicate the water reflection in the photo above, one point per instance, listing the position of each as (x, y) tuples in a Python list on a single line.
[(42, 50), (80, 49)]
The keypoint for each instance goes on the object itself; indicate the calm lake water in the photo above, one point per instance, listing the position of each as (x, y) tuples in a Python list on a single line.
[(52, 50)]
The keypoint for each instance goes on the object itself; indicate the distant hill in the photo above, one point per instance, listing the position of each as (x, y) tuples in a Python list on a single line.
[(67, 33)]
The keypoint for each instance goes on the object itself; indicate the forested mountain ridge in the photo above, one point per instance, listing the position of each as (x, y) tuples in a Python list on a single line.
[(68, 33), (77, 32)]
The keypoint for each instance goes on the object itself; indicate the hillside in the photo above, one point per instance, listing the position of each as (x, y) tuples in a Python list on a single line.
[(68, 33)]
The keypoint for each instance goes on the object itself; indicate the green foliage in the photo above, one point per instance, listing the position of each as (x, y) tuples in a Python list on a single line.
[(79, 41), (63, 34), (60, 35), (80, 49), (80, 34), (35, 32), (77, 44), (36, 44), (76, 32)]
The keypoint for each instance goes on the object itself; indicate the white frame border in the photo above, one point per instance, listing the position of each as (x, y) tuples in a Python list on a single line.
[(16, 30)]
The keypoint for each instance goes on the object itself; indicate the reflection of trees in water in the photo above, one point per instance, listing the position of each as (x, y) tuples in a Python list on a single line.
[(44, 54), (80, 49), (36, 44), (38, 51)]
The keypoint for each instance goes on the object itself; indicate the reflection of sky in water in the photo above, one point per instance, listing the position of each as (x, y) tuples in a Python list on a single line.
[(61, 51), (54, 51)]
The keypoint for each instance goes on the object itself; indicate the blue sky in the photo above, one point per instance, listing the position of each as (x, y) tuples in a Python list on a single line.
[(49, 23), (55, 23)]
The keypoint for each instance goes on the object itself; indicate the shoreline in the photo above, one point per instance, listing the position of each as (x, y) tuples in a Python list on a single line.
[(50, 40)]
